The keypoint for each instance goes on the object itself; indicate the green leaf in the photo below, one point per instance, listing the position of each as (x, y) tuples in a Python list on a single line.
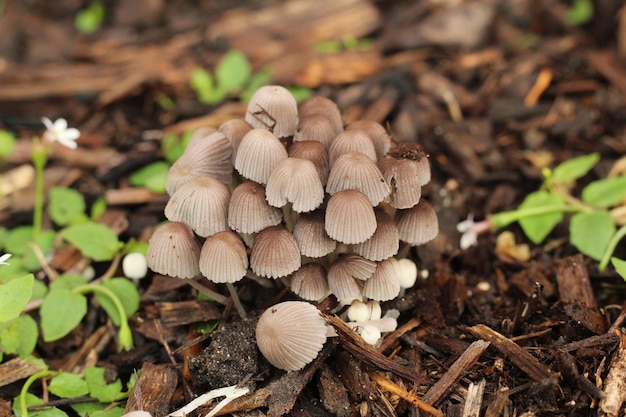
[(172, 147), (98, 387), (153, 176), (579, 13), (605, 192), (98, 208), (620, 266), (7, 142), (95, 241), (233, 71), (17, 244), (591, 232), (201, 81), (97, 409), (32, 400), (67, 282), (61, 311), (68, 385), (538, 227), (300, 93), (64, 205), (19, 336), (258, 80), (574, 168), (14, 296), (90, 19), (127, 294)]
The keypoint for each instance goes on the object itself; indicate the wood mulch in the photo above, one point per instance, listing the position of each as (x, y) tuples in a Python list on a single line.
[(493, 90)]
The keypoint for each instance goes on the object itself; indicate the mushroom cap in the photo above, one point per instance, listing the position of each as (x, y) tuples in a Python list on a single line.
[(417, 225), (384, 284), (235, 130), (309, 282), (354, 170), (274, 253), (202, 204), (223, 258), (351, 141), (403, 175), (208, 157), (274, 108), (249, 211), (199, 134), (377, 133), (311, 235), (325, 107), (291, 334), (346, 274), (350, 217), (315, 127), (173, 250), (384, 243), (415, 153), (314, 152), (258, 154), (295, 181)]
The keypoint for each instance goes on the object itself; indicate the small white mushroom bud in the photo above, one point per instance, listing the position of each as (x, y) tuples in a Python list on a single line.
[(135, 265), (407, 272)]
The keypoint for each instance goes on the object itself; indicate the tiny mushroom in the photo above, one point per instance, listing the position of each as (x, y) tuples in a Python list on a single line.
[(351, 141), (274, 108), (325, 107), (274, 253), (291, 334), (384, 243), (403, 174), (223, 258), (314, 152), (317, 128), (377, 133), (384, 284), (354, 170), (235, 130), (347, 273), (258, 154), (173, 250), (418, 224), (295, 181), (249, 211), (350, 217), (309, 282), (311, 236)]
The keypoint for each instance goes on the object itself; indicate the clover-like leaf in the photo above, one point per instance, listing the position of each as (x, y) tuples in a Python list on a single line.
[(539, 226), (127, 294), (65, 204), (14, 295), (61, 311), (68, 385), (605, 192), (574, 168), (590, 233), (233, 71), (95, 241), (152, 176)]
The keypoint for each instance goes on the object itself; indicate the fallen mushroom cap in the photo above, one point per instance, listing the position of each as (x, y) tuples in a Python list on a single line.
[(274, 108), (173, 250), (258, 154), (274, 253), (291, 334), (295, 181), (223, 258)]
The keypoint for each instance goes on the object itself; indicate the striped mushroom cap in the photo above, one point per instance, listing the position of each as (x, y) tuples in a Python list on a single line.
[(202, 204), (258, 154), (235, 130), (315, 127), (314, 152), (417, 225), (249, 211), (311, 236), (274, 108), (295, 181), (223, 258), (384, 284), (377, 133), (350, 217), (384, 243), (274, 253), (403, 174), (354, 170), (324, 107), (173, 250), (346, 275), (309, 282), (351, 141), (291, 334), (415, 153)]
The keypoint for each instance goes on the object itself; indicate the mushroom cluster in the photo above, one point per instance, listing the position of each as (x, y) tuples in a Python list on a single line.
[(292, 193)]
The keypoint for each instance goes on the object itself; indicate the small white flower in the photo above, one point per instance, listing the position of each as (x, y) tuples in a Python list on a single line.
[(471, 229), (4, 258), (59, 132)]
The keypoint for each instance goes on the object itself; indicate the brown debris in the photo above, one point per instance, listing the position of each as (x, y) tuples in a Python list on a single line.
[(615, 383), (154, 390)]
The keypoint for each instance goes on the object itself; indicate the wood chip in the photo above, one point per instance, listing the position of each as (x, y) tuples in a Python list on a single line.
[(16, 369), (154, 390)]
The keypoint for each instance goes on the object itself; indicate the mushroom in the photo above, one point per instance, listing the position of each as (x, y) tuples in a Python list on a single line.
[(376, 132), (350, 217), (249, 211), (314, 152), (274, 253), (384, 243), (414, 152), (346, 274), (311, 235), (173, 250), (351, 141), (325, 107), (258, 154), (295, 181), (235, 130), (291, 334), (309, 282), (354, 170), (384, 284), (403, 175), (202, 204), (274, 108), (315, 127), (418, 224)]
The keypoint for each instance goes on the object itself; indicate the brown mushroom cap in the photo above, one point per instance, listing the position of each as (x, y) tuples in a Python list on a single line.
[(274, 253), (346, 274), (173, 250), (223, 258), (249, 212), (354, 170), (314, 152), (384, 284), (418, 224), (311, 235), (295, 181), (403, 175), (377, 133), (315, 127), (309, 282), (202, 204), (351, 141), (415, 153), (258, 154), (350, 217), (235, 130), (325, 107), (291, 334), (385, 241), (208, 157), (274, 108)]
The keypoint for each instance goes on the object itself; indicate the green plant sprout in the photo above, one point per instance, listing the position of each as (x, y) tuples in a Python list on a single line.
[(89, 20), (232, 73), (579, 13), (595, 215), (347, 43)]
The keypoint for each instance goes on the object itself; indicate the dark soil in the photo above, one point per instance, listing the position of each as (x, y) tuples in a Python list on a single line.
[(492, 90)]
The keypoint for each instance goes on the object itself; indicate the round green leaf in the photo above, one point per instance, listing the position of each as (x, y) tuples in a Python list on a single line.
[(233, 71), (95, 241), (19, 336), (14, 295), (591, 232), (538, 227), (620, 266), (68, 385), (152, 176), (605, 192), (574, 168), (127, 293), (64, 205), (61, 312)]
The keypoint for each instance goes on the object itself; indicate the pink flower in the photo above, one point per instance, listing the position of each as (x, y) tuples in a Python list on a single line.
[(471, 229), (59, 132)]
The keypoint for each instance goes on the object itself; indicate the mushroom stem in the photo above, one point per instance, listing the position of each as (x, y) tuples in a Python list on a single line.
[(264, 282), (289, 216), (236, 301), (215, 296), (404, 251)]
